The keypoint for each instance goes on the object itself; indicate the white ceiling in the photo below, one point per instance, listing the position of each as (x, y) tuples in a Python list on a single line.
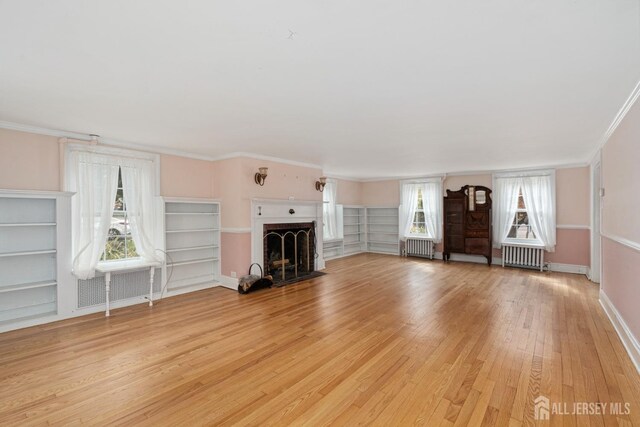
[(364, 88)]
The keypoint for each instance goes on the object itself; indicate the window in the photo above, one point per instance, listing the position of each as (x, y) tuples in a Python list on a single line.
[(421, 209), (120, 244), (524, 209), (419, 226), (520, 228), (115, 215)]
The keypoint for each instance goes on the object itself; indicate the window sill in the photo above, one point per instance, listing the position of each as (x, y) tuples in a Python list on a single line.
[(126, 265), (524, 243), (419, 236)]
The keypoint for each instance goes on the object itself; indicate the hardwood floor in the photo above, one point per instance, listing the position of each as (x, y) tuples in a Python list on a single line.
[(379, 340)]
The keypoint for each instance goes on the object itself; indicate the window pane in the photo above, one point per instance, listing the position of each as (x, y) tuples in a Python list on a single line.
[(420, 206), (120, 244), (418, 217), (521, 200)]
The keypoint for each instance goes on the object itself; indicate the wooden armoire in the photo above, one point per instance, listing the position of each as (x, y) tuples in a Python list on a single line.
[(467, 222)]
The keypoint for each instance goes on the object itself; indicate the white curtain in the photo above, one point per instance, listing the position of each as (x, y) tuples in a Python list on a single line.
[(94, 179), (432, 203), (330, 220), (138, 177), (408, 208), (538, 193), (504, 207)]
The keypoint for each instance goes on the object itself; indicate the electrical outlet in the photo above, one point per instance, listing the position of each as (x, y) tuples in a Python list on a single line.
[(234, 274)]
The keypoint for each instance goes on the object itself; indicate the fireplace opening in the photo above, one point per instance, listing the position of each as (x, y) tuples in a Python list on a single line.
[(289, 250)]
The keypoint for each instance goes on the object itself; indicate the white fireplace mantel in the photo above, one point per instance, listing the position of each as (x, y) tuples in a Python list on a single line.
[(276, 211)]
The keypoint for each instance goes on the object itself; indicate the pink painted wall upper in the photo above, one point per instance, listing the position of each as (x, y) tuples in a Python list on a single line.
[(381, 193), (184, 177), (349, 192), (620, 176), (572, 196), (620, 221), (234, 185), (29, 161)]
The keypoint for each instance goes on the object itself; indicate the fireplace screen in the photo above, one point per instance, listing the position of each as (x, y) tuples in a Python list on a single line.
[(289, 250)]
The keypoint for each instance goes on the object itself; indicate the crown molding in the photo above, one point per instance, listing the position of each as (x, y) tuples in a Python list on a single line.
[(633, 97), (45, 131), (240, 154)]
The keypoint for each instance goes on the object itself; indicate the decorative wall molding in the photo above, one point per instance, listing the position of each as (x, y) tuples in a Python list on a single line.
[(625, 242), (573, 227), (626, 336), (236, 230)]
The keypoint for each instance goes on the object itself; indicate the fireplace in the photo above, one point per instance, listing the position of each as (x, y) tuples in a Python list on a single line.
[(289, 250)]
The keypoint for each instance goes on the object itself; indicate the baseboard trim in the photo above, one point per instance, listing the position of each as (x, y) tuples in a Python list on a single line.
[(628, 340), (229, 282), (568, 268)]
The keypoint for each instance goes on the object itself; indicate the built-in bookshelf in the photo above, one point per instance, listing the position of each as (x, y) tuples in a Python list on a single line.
[(354, 230), (382, 230), (192, 241), (30, 238)]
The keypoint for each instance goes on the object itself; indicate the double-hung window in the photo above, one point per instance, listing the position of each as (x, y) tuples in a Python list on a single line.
[(421, 209), (525, 209)]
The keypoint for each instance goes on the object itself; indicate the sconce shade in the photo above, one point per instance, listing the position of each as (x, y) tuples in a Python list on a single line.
[(260, 176), (321, 183)]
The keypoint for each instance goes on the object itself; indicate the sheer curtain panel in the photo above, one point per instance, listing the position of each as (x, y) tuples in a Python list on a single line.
[(505, 205), (432, 204), (138, 189), (538, 193), (94, 179), (408, 208), (329, 197)]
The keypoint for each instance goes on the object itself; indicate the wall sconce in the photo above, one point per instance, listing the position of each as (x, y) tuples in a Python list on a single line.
[(260, 176), (321, 183)]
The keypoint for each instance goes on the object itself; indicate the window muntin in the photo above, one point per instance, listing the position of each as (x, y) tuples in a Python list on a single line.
[(520, 227), (120, 244)]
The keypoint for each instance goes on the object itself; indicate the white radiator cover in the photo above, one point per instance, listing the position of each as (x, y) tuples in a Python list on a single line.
[(124, 286), (523, 256), (420, 248)]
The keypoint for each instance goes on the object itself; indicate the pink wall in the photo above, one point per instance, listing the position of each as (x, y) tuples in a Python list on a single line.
[(29, 161), (236, 253), (184, 177), (572, 195), (620, 221), (381, 193), (349, 192)]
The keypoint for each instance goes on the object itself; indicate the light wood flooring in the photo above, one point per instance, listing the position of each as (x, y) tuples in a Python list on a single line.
[(379, 340)]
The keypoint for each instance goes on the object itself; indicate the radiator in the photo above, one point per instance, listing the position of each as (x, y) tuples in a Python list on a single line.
[(420, 248), (523, 256)]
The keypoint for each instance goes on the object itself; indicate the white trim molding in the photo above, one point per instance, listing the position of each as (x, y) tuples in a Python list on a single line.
[(626, 336), (573, 227), (568, 268), (236, 230), (633, 97), (625, 242), (229, 282)]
